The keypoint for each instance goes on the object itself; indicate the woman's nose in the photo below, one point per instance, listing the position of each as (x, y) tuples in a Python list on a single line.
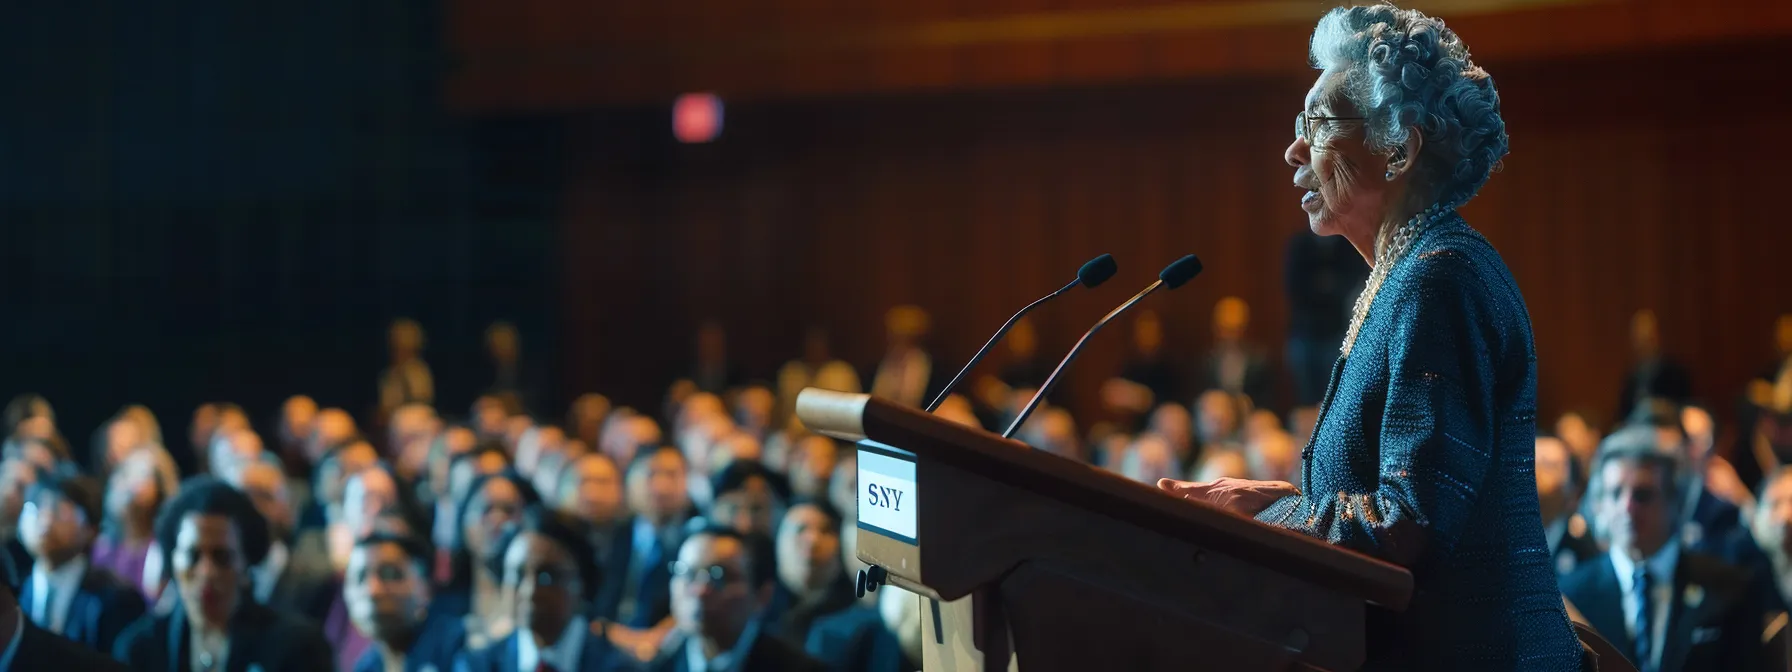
[(1299, 153)]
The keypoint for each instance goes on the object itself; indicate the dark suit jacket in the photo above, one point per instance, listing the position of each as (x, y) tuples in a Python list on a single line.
[(1423, 457), (102, 608), (1715, 626), (307, 587), (40, 649), (274, 641), (839, 632), (597, 655), (764, 654), (653, 594), (1258, 379), (441, 641)]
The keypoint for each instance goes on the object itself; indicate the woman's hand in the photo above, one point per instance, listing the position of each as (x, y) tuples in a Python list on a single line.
[(1233, 494)]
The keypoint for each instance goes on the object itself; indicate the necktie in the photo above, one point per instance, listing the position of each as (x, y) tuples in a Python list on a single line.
[(1645, 619), (43, 616)]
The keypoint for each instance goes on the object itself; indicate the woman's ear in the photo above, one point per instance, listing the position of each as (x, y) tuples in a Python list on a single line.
[(1405, 156)]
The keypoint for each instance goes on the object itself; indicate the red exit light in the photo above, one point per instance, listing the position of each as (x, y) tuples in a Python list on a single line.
[(697, 117)]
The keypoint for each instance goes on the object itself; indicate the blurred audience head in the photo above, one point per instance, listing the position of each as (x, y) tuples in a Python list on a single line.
[(1216, 417), (550, 572), (264, 482), (1773, 517), (1172, 422), (585, 420), (342, 462), (753, 408), (30, 416), (491, 415), (448, 446), (334, 426), (210, 535), (1301, 423), (1582, 439), (1782, 336), (1558, 478), (627, 433), (1274, 457), (1147, 333), (232, 448), (810, 464), (1023, 340), (1148, 459), (16, 478), (366, 495), (60, 518), (203, 425), (808, 546), (1053, 430), (747, 498), (1645, 334), (720, 582), (1635, 492), (502, 343), (484, 459), (123, 434), (494, 505), (843, 488), (386, 588), (712, 342), (404, 339), (298, 419), (1701, 433), (138, 488), (905, 326), (1262, 422), (1231, 319), (1218, 464), (591, 488), (958, 409), (658, 485)]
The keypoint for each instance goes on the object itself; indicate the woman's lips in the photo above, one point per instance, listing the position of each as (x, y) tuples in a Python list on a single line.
[(1311, 201)]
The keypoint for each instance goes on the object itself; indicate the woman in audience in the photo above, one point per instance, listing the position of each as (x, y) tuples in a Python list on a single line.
[(493, 504), (136, 491), (813, 604), (212, 535)]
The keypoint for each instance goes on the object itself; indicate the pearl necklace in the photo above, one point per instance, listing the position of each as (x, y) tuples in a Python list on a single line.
[(1394, 243)]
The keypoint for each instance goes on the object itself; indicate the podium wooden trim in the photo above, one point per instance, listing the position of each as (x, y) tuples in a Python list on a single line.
[(859, 417)]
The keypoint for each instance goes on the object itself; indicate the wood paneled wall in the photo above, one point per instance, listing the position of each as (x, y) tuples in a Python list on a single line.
[(568, 54), (1634, 181)]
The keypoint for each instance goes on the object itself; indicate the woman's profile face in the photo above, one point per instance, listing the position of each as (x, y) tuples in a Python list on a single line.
[(1347, 189)]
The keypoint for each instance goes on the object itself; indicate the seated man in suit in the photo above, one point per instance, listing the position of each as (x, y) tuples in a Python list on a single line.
[(1669, 608), (387, 590), (211, 536), (24, 646), (721, 583), (656, 486), (294, 579), (550, 574), (1772, 525), (813, 604), (66, 594), (1558, 495)]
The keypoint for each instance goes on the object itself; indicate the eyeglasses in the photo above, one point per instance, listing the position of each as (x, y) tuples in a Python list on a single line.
[(1305, 125), (715, 574)]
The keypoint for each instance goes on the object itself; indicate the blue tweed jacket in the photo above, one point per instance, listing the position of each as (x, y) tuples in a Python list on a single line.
[(1423, 457)]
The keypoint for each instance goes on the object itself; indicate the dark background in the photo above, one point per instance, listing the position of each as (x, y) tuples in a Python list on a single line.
[(208, 200)]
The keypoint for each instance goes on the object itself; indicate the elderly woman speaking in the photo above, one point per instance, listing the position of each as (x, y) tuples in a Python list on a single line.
[(1422, 455)]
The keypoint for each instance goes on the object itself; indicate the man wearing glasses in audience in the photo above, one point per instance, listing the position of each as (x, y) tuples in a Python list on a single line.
[(387, 590), (550, 574), (720, 584)]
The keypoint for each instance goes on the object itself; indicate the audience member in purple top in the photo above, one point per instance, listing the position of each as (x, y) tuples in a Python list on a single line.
[(133, 495)]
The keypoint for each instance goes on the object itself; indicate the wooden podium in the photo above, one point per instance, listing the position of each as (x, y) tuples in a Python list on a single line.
[(1027, 560)]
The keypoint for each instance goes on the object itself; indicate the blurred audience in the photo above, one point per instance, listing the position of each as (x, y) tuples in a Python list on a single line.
[(66, 593), (1234, 365), (721, 582), (407, 379), (388, 592), (817, 368), (1559, 483), (905, 375), (1653, 374)]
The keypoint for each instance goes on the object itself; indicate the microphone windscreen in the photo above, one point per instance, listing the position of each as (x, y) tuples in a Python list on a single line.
[(1097, 271), (1180, 271)]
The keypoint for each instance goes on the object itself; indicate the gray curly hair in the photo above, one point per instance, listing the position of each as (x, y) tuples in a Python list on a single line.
[(1403, 70)]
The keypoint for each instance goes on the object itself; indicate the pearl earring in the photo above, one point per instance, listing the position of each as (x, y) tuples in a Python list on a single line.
[(1390, 176)]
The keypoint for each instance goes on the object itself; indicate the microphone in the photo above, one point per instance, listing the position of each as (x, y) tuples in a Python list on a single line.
[(1175, 275), (1091, 275)]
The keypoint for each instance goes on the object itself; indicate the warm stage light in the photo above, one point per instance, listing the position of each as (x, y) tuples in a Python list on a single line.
[(697, 117)]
